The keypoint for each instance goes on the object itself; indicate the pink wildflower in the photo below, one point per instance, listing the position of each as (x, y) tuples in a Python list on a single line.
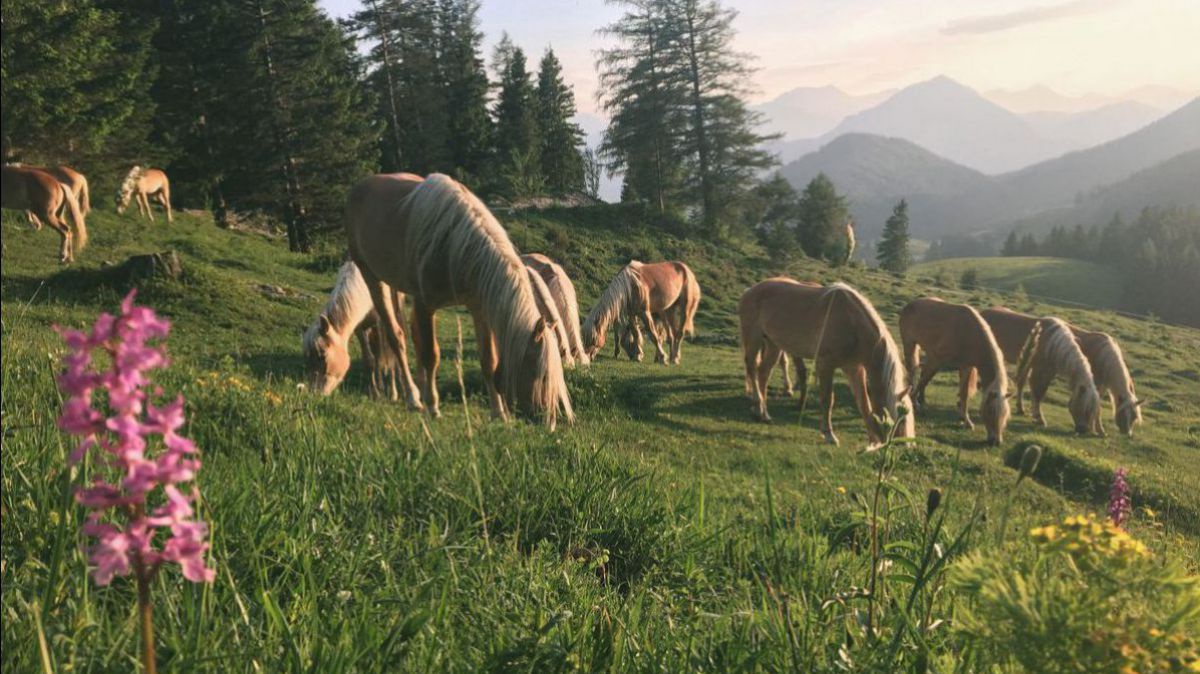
[(122, 432), (1119, 505)]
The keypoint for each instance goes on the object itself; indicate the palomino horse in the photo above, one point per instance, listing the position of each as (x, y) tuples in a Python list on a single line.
[(141, 184), (75, 181), (1102, 351), (565, 301), (955, 335), (640, 291), (436, 242), (838, 328), (34, 191), (326, 343), (1051, 351)]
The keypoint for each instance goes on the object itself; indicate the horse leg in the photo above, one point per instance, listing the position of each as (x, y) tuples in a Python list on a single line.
[(489, 361), (1019, 384), (429, 355), (660, 354), (767, 361), (752, 352), (966, 389), (789, 389), (858, 386), (164, 198), (1039, 384), (674, 322), (393, 333), (65, 252), (825, 379), (929, 370), (34, 222), (801, 378), (366, 343)]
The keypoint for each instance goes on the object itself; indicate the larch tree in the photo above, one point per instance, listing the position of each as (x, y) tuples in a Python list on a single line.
[(892, 252)]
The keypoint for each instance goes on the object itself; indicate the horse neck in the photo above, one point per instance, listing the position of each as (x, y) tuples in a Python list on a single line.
[(1111, 372), (349, 304), (612, 302)]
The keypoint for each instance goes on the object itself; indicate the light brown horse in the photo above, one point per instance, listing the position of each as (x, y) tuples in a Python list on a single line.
[(565, 302), (839, 329), (1052, 351), (640, 293), (75, 181), (438, 243), (142, 183), (1103, 353), (34, 191), (326, 343), (956, 336)]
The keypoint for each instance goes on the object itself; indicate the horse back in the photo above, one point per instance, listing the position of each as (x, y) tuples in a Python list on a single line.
[(1010, 328)]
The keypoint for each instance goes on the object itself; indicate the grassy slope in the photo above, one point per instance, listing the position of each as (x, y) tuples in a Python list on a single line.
[(350, 537), (1070, 280)]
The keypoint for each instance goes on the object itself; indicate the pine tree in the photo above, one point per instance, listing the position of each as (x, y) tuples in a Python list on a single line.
[(592, 171), (720, 139), (1012, 245), (559, 136), (516, 136), (892, 250), (822, 215), (469, 128)]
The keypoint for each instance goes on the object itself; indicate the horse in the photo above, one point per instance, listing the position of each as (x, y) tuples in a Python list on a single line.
[(1111, 376), (565, 301), (436, 242), (955, 335), (1050, 351), (326, 343), (75, 181), (838, 328), (667, 290), (34, 191), (141, 184)]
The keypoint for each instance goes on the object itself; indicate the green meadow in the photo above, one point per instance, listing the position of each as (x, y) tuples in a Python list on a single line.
[(1078, 281), (665, 531)]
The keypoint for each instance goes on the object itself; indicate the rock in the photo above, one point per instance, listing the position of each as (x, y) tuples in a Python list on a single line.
[(161, 266)]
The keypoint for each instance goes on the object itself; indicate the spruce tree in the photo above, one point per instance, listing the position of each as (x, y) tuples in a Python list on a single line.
[(822, 216), (559, 136), (469, 126), (892, 250), (518, 160)]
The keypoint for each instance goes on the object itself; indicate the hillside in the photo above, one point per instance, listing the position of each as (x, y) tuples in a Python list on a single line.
[(664, 531), (1044, 277)]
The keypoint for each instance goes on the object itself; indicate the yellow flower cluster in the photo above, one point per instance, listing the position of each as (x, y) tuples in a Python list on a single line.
[(1086, 536), (232, 382)]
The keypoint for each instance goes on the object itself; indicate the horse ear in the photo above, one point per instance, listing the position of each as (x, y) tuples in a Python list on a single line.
[(326, 326), (539, 330)]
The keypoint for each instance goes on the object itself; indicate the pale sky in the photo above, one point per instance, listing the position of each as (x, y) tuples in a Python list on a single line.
[(1073, 46)]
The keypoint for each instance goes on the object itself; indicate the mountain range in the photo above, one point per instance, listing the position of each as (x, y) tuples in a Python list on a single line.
[(948, 198)]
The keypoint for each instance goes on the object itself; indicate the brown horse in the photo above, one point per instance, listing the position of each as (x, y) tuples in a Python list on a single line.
[(955, 335), (75, 181), (141, 184), (436, 242), (838, 328), (562, 291), (642, 292), (326, 343), (37, 192), (1052, 351)]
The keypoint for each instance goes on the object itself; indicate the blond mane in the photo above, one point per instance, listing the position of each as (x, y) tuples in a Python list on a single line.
[(999, 384), (549, 310), (348, 306), (458, 232), (622, 297), (888, 369), (130, 183), (1112, 373), (563, 292)]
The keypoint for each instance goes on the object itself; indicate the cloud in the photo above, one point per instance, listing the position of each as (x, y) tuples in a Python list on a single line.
[(991, 23)]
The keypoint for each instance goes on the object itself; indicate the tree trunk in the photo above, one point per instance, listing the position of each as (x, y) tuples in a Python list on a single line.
[(699, 121), (294, 217), (385, 44)]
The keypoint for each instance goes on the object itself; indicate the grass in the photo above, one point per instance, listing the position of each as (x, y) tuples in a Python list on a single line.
[(1052, 278), (664, 531)]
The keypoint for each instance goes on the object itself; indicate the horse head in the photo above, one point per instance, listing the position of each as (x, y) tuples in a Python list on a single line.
[(538, 385), (326, 357), (1084, 406), (995, 412), (1129, 413)]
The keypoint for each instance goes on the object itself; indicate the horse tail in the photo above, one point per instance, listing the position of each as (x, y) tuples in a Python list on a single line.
[(76, 223), (690, 299), (85, 197), (1025, 360)]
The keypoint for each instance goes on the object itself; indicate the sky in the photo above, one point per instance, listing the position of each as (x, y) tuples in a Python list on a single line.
[(1074, 47)]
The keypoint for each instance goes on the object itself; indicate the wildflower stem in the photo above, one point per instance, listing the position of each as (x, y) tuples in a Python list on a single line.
[(146, 613)]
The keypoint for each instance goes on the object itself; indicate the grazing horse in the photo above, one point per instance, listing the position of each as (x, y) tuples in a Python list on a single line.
[(955, 335), (1112, 376), (838, 328), (75, 181), (438, 243), (565, 301), (141, 184), (37, 192), (1051, 351), (326, 343), (666, 290)]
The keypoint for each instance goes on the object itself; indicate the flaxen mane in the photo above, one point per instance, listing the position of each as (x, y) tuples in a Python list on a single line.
[(452, 229), (1112, 373), (130, 183), (1051, 344), (348, 306), (997, 391), (563, 293), (625, 296), (887, 367), (549, 310)]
